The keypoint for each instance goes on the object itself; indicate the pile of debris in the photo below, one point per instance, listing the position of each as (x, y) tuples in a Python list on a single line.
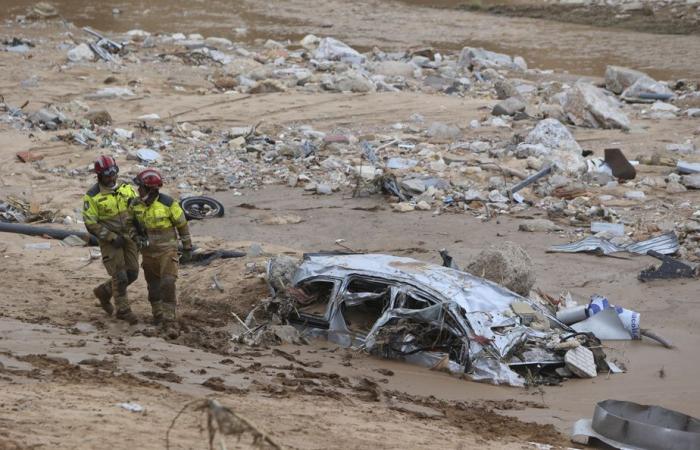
[(485, 169)]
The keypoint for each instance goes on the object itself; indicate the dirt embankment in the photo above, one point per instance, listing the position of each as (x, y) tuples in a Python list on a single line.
[(675, 17)]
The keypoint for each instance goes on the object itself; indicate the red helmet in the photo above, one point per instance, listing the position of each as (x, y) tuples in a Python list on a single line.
[(149, 178), (106, 165)]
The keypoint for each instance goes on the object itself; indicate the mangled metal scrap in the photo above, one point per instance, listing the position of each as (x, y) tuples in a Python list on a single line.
[(422, 313), (627, 425), (665, 244), (669, 268)]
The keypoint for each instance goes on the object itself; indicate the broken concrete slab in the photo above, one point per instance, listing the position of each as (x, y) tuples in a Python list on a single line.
[(588, 106)]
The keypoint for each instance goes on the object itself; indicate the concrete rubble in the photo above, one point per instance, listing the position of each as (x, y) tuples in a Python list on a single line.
[(437, 166)]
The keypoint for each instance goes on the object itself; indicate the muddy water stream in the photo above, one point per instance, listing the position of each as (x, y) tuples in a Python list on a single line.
[(546, 44)]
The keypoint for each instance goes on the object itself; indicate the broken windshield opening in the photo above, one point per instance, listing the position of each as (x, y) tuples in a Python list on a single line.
[(312, 297), (364, 301)]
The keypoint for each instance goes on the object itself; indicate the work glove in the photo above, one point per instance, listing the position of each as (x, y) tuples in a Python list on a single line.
[(186, 255), (118, 242)]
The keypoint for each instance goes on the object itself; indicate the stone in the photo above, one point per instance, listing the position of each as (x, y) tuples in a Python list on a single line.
[(664, 107), (394, 69), (646, 85), (268, 86), (423, 205), (686, 148), (539, 225), (217, 42), (443, 131), (414, 185), (693, 112), (618, 78), (520, 63), (99, 117), (496, 197), (110, 92), (635, 195), (310, 42), (674, 187), (691, 181), (553, 141), (225, 82), (479, 58), (507, 264), (323, 189), (349, 81), (81, 53), (403, 207), (505, 89), (552, 111), (588, 106), (335, 50), (508, 107)]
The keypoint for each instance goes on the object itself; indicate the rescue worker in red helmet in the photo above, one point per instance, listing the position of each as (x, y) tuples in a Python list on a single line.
[(106, 215), (160, 222)]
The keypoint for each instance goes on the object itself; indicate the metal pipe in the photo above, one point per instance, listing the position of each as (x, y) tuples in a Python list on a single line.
[(32, 230), (529, 180)]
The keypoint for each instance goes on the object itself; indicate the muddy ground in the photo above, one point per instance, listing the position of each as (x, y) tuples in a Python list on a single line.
[(65, 367)]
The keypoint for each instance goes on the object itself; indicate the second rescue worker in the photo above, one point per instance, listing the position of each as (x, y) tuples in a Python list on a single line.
[(106, 215), (159, 222)]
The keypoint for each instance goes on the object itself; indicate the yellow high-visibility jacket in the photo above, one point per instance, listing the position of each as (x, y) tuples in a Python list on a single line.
[(162, 221), (106, 211)]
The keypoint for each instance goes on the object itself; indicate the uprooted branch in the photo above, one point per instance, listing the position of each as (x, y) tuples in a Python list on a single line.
[(225, 422)]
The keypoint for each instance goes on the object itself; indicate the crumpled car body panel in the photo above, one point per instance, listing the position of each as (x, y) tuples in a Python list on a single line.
[(472, 315)]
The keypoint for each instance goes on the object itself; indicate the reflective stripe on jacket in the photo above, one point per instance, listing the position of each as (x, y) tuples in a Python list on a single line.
[(162, 221), (106, 211)]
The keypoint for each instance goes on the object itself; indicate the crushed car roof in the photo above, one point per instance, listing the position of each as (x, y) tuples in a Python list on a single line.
[(468, 291)]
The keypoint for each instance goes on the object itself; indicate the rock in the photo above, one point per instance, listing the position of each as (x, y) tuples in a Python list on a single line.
[(635, 195), (507, 264), (505, 89), (553, 111), (267, 86), (335, 50), (693, 112), (225, 82), (617, 78), (646, 85), (508, 107), (674, 187), (81, 53), (664, 107), (520, 63), (110, 92), (686, 148), (588, 106), (539, 225), (217, 42), (443, 131), (349, 81), (403, 207), (394, 69), (691, 181), (423, 205), (99, 117), (553, 141), (310, 42), (323, 189), (481, 59), (414, 185), (497, 197)]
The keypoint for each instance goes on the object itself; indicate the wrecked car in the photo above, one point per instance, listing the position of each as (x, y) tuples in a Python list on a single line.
[(420, 312)]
